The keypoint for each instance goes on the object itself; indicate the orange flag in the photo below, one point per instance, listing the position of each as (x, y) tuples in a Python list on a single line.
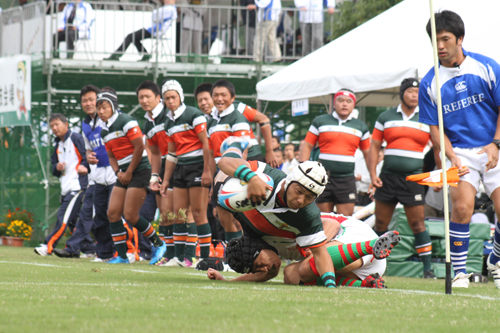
[(435, 178)]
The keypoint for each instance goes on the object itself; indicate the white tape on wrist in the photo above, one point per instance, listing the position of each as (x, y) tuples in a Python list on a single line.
[(154, 178)]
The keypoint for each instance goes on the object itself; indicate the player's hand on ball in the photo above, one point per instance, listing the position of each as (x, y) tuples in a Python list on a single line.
[(257, 190)]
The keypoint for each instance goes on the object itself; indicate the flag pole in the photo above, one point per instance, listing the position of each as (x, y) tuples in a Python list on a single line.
[(443, 153)]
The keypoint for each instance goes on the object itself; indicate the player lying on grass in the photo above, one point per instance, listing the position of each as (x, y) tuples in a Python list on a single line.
[(359, 264), (287, 211), (274, 218)]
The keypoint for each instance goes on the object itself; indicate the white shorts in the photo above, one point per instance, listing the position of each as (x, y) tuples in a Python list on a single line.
[(287, 248), (476, 164), (355, 231)]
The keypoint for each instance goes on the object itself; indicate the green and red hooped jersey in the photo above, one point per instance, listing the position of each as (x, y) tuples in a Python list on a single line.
[(406, 140), (121, 130), (338, 142), (154, 128), (182, 128)]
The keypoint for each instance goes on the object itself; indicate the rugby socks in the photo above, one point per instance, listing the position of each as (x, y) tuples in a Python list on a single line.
[(424, 248), (459, 246), (161, 232), (119, 234), (231, 235), (205, 239), (345, 254), (180, 237), (495, 253), (147, 230), (342, 281), (168, 238), (192, 238)]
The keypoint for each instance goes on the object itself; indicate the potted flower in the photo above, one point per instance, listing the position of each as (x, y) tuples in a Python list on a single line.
[(3, 230), (17, 232)]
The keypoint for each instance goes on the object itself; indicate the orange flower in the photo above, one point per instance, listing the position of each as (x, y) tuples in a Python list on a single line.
[(9, 215), (17, 209), (13, 213)]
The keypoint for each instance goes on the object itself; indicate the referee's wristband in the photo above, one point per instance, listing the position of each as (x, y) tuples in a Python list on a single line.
[(244, 173), (329, 280)]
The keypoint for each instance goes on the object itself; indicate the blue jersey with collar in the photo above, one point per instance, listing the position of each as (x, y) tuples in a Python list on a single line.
[(470, 98), (93, 135)]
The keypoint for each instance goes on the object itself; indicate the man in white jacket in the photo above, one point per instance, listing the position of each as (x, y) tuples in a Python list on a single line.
[(311, 22), (74, 23), (267, 18)]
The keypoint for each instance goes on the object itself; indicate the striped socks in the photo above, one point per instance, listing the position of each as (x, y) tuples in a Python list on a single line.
[(192, 238), (168, 238), (495, 253), (424, 248), (147, 230), (205, 239), (343, 255), (459, 246), (119, 234), (180, 236)]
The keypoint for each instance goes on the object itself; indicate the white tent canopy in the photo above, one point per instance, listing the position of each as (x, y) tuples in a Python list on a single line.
[(374, 58)]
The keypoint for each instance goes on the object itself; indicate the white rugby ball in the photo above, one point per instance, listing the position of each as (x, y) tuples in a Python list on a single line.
[(233, 194)]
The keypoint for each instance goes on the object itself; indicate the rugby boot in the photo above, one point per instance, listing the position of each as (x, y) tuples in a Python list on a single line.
[(384, 244)]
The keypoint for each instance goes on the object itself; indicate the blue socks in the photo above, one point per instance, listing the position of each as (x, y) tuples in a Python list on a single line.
[(495, 254), (459, 246)]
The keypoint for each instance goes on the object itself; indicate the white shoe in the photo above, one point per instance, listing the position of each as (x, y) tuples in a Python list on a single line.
[(228, 268), (494, 270), (461, 280), (87, 255), (42, 250), (175, 262), (131, 257), (97, 259)]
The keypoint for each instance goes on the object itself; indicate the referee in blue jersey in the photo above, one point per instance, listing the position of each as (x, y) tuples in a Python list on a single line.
[(471, 98)]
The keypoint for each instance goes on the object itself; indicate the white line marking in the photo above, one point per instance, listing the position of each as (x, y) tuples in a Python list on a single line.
[(142, 271), (30, 263)]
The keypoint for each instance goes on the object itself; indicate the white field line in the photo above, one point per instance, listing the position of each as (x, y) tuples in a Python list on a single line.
[(32, 263)]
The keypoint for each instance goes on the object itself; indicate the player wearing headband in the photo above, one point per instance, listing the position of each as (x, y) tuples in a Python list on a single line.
[(288, 212), (339, 135)]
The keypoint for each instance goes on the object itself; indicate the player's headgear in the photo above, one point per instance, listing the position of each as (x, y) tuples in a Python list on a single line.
[(110, 97), (407, 83), (242, 251), (345, 92), (172, 85), (310, 174)]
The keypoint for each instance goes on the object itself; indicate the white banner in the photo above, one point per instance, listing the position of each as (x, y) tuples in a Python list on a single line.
[(15, 90), (300, 107)]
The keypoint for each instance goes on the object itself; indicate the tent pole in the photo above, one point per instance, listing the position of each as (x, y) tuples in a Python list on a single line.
[(443, 152)]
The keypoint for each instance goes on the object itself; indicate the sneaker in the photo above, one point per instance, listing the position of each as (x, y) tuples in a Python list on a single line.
[(429, 275), (162, 262), (97, 259), (118, 260), (174, 262), (384, 244), (478, 278), (42, 250), (157, 253), (494, 270), (461, 280), (373, 281), (87, 255), (131, 257), (64, 253)]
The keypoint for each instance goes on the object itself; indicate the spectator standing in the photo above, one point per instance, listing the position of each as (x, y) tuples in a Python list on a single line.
[(362, 175), (192, 26), (278, 155), (470, 98), (311, 22), (406, 140), (339, 135), (290, 160), (161, 20), (74, 23), (267, 19), (248, 18)]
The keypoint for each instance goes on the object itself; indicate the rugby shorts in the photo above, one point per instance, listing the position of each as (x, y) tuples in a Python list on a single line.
[(140, 179), (339, 190), (188, 175), (396, 189)]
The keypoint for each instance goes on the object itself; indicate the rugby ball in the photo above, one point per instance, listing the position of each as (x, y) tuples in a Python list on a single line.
[(233, 194)]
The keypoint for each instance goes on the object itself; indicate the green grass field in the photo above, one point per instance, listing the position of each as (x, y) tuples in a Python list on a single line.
[(49, 294)]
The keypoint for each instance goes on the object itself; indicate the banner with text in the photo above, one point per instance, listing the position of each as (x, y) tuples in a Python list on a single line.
[(15, 91)]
